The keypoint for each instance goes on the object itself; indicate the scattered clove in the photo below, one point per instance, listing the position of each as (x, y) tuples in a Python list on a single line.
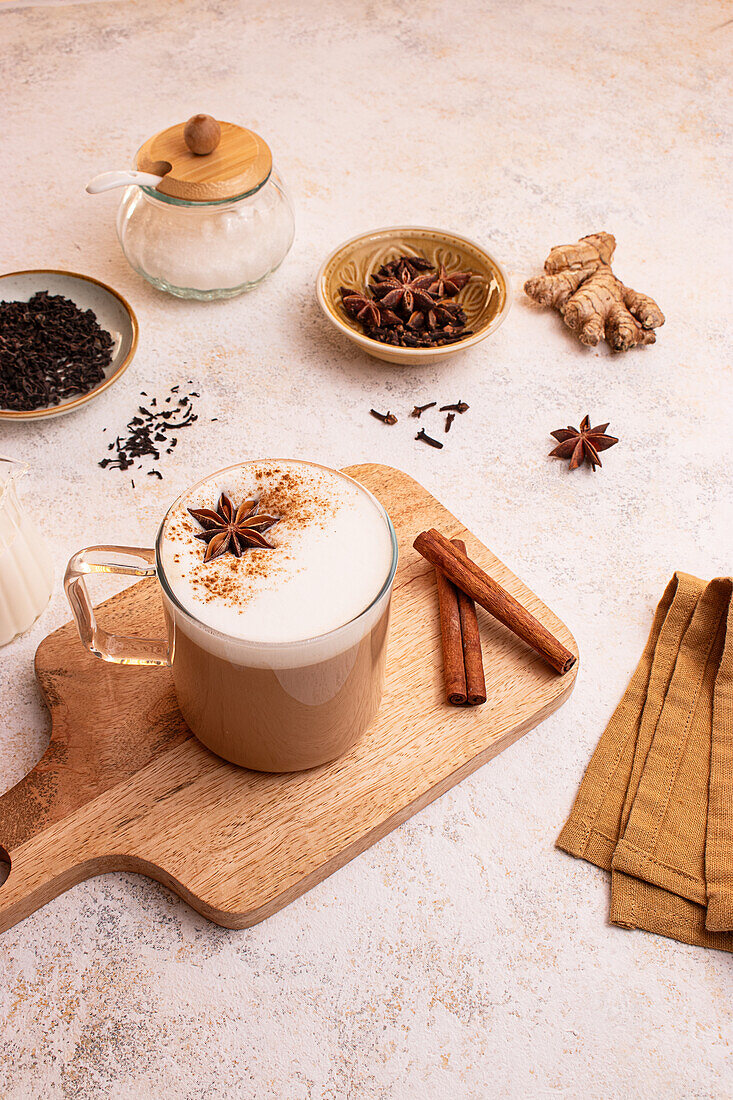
[(386, 418), (420, 409), (422, 435)]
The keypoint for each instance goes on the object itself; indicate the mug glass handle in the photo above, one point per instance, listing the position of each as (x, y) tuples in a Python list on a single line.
[(132, 561)]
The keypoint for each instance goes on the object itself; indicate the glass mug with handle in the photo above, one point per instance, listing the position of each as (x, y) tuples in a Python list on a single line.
[(276, 579)]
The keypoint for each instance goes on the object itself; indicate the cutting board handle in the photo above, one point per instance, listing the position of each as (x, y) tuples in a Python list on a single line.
[(30, 885), (44, 860)]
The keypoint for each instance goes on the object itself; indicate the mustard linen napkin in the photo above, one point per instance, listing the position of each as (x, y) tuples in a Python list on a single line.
[(656, 803)]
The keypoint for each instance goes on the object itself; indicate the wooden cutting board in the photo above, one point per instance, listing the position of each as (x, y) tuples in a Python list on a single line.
[(124, 786)]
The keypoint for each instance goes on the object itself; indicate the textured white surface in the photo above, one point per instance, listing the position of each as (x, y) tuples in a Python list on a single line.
[(462, 956)]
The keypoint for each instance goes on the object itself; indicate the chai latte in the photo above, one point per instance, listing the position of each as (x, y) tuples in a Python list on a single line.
[(278, 655)]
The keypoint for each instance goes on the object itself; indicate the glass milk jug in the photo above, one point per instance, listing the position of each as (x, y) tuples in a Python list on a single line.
[(26, 574)]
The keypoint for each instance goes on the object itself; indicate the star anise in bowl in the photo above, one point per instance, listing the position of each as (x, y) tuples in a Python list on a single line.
[(409, 292), (233, 530), (408, 304), (447, 286), (395, 270)]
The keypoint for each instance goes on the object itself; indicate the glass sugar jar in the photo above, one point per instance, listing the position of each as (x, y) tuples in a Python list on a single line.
[(219, 220)]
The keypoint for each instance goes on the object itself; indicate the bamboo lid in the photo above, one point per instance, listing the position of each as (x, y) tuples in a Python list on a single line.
[(238, 160)]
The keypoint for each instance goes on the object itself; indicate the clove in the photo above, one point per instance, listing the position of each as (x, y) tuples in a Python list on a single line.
[(386, 418), (459, 407), (425, 438), (449, 420), (420, 409)]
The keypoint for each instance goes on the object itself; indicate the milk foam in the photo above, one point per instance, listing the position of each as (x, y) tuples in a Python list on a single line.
[(332, 554)]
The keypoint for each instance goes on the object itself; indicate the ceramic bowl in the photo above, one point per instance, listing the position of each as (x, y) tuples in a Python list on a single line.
[(486, 299), (113, 314)]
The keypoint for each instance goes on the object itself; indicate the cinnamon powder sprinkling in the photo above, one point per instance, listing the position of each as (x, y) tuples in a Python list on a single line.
[(302, 502)]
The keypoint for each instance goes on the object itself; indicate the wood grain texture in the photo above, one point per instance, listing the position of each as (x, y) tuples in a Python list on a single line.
[(125, 786), (240, 162)]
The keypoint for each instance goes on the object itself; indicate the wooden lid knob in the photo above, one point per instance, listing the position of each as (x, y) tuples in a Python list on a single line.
[(202, 134), (203, 160)]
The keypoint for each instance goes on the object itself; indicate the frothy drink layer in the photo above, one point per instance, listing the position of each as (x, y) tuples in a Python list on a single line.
[(331, 555)]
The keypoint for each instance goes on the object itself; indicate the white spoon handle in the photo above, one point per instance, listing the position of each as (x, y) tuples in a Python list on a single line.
[(107, 180)]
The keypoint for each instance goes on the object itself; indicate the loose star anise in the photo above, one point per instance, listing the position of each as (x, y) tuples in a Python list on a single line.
[(233, 529), (582, 445)]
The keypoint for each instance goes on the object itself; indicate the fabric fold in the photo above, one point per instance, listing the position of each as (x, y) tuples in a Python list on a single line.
[(719, 846), (656, 803)]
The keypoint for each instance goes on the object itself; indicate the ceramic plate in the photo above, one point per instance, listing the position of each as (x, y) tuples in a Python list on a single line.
[(486, 299), (113, 314)]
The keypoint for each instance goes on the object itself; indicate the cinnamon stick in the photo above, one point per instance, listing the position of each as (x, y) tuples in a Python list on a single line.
[(482, 588), (454, 671), (473, 662)]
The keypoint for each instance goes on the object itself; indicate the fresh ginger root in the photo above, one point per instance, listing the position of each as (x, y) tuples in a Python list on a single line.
[(579, 282)]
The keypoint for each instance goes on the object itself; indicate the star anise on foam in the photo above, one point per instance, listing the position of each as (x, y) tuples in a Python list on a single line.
[(582, 445), (447, 286), (233, 529), (405, 290)]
